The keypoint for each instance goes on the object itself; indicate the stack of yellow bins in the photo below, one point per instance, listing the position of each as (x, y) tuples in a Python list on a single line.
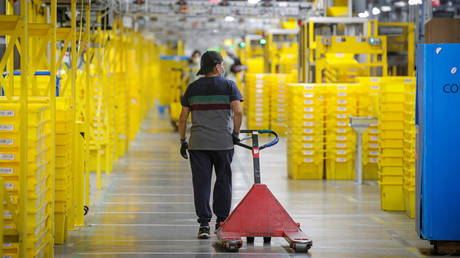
[(121, 113), (391, 125), (39, 184), (98, 134), (64, 185), (409, 147), (255, 64), (341, 103), (258, 102), (278, 101), (368, 99), (305, 131)]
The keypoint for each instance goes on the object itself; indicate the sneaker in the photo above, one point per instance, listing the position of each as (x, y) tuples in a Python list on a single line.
[(203, 232)]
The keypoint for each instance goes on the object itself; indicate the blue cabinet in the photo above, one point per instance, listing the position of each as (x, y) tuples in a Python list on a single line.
[(438, 119)]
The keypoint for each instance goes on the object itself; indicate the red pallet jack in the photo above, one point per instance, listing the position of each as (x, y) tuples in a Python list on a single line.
[(260, 214)]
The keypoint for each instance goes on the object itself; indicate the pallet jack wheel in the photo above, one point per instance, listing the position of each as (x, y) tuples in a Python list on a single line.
[(301, 247), (85, 210), (250, 240), (267, 240), (232, 246)]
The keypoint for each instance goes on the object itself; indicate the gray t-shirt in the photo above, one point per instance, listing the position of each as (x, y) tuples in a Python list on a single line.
[(209, 100)]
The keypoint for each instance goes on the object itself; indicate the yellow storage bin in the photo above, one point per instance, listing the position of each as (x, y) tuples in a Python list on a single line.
[(409, 201), (391, 161), (333, 130), (389, 152), (392, 125), (392, 107), (391, 197), (340, 169), (392, 97), (395, 170), (305, 170), (370, 171), (389, 179), (391, 116), (391, 143)]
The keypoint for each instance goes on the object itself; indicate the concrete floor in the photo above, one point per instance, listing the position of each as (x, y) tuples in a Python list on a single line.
[(146, 209)]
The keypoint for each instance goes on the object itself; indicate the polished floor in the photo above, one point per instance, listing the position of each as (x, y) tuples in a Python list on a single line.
[(146, 209)]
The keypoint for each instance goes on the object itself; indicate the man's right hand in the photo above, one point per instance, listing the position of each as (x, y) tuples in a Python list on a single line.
[(236, 137), (183, 149)]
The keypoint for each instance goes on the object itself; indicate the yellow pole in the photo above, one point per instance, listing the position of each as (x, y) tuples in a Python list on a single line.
[(98, 146), (410, 49), (73, 85), (52, 94), (24, 111), (83, 186), (9, 91)]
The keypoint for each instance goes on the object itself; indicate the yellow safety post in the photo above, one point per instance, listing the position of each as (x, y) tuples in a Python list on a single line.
[(24, 110), (9, 92), (52, 95), (99, 106), (411, 50), (82, 187), (73, 78)]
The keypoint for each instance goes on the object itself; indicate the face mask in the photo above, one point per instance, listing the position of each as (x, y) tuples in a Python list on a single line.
[(222, 71), (196, 60)]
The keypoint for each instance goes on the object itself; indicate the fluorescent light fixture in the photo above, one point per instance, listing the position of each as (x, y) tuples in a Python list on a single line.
[(229, 18), (376, 11), (282, 4), (364, 14), (253, 1), (415, 2), (386, 8), (400, 4)]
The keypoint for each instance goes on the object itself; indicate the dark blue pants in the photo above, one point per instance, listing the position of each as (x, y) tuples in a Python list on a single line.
[(202, 163)]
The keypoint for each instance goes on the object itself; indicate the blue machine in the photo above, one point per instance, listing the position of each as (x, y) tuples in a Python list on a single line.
[(438, 118)]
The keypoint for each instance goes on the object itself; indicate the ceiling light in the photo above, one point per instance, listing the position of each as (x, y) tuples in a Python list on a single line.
[(386, 8), (282, 4), (415, 2), (229, 18), (364, 14), (376, 11), (400, 4), (253, 1)]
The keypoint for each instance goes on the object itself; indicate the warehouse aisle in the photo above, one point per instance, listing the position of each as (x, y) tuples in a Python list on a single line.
[(147, 209)]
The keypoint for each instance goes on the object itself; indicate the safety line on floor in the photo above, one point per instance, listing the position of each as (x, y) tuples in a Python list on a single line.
[(143, 225), (182, 253), (143, 212), (136, 203)]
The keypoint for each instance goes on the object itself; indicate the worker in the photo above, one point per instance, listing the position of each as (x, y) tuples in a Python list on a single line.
[(233, 64), (194, 66), (214, 103)]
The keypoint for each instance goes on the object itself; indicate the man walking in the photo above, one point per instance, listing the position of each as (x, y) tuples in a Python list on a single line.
[(214, 103)]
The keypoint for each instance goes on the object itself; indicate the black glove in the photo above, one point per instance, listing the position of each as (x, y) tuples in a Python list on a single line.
[(236, 137), (183, 149)]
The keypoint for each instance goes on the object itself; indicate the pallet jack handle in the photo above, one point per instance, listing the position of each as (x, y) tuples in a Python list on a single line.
[(255, 148)]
